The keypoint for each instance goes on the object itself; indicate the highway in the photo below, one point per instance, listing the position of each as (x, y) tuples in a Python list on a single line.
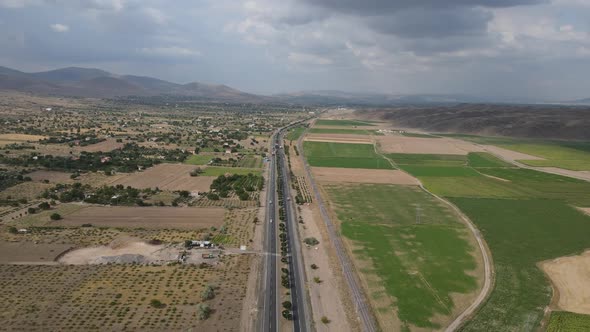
[(363, 308), (271, 315)]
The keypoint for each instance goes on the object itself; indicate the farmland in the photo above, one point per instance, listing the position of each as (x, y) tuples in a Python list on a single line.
[(342, 123), (198, 159), (407, 255), (340, 131), (561, 321), (217, 171), (295, 133), (326, 154), (167, 177)]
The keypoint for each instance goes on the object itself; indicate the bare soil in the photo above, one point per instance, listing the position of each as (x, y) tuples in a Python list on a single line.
[(571, 277), (30, 253), (105, 146), (509, 155), (51, 176), (402, 144), (18, 138), (355, 175), (148, 217), (27, 190), (339, 138), (168, 177)]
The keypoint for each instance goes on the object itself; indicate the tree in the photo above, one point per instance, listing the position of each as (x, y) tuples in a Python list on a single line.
[(157, 303), (31, 210), (314, 267), (203, 311), (325, 320), (44, 206), (287, 305), (55, 216), (311, 241), (12, 230)]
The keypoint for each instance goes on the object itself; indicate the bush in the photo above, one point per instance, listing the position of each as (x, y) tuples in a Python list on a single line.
[(12, 230), (311, 241), (314, 267), (287, 305), (325, 320), (208, 293), (203, 311), (55, 216), (213, 196), (31, 210), (157, 304), (44, 206)]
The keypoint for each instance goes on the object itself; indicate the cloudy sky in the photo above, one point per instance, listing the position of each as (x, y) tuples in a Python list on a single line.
[(504, 48)]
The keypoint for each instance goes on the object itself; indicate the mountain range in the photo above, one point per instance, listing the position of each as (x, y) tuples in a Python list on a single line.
[(96, 83)]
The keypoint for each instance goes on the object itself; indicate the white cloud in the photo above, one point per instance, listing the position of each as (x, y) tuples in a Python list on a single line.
[(173, 51), (58, 27), (309, 59)]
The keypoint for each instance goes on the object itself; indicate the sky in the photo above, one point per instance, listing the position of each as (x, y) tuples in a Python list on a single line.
[(535, 49)]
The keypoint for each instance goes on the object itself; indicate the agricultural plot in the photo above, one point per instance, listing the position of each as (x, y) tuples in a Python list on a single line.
[(484, 159), (168, 177), (324, 154), (250, 161), (354, 175), (107, 145), (420, 145), (199, 159), (295, 133), (342, 123), (561, 321), (215, 171), (418, 135), (120, 297), (19, 138), (340, 138), (428, 159), (341, 131), (147, 217), (415, 265)]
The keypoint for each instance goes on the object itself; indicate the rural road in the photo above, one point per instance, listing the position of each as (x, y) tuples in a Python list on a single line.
[(362, 306)]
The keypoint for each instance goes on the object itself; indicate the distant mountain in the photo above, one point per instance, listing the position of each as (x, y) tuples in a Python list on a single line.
[(89, 82), (585, 101)]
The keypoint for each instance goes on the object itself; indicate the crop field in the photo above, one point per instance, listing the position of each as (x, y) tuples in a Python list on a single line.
[(18, 138), (119, 297), (428, 159), (198, 159), (109, 144), (295, 133), (484, 159), (347, 155), (525, 216), (564, 154), (561, 321), (250, 161), (342, 123), (425, 145), (418, 135), (341, 131), (355, 175), (217, 171), (167, 177), (407, 253)]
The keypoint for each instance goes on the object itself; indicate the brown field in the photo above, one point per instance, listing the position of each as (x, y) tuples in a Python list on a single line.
[(403, 144), (168, 177), (30, 253), (105, 146), (148, 217), (354, 175), (51, 176), (117, 297), (570, 277), (18, 138), (27, 190)]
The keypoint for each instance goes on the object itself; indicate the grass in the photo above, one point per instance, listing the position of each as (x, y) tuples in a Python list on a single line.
[(217, 171), (428, 159), (295, 133), (439, 171), (418, 135), (562, 321), (198, 159), (341, 131), (484, 159), (346, 155), (342, 123), (420, 265), (250, 161), (521, 233)]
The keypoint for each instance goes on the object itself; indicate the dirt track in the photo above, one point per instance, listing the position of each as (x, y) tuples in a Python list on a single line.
[(148, 217), (354, 175), (168, 177), (571, 276)]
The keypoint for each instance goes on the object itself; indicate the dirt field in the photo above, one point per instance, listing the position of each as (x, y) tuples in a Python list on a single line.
[(105, 146), (354, 175), (168, 177), (18, 138), (51, 176), (147, 217), (30, 253), (571, 277), (27, 190), (403, 144)]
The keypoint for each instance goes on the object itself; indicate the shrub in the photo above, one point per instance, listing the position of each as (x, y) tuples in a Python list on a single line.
[(31, 210), (44, 206), (12, 230), (287, 305), (325, 320), (208, 293), (203, 311), (157, 303), (55, 216), (311, 241), (314, 267)]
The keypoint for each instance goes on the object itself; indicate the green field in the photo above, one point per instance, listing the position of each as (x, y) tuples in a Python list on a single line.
[(217, 171), (346, 155), (484, 159), (295, 133), (562, 321), (250, 161), (198, 159), (428, 159), (521, 233), (565, 154), (342, 123), (525, 216), (419, 265), (341, 131), (418, 135)]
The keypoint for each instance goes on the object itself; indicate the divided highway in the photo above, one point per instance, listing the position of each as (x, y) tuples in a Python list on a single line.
[(271, 315)]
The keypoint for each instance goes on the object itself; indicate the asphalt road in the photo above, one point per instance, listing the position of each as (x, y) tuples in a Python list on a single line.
[(358, 297)]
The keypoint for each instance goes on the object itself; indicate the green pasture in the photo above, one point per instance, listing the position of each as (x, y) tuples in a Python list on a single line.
[(295, 133), (346, 155), (198, 159), (562, 321), (341, 131)]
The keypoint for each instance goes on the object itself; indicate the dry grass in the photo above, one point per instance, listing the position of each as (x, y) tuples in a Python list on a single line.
[(167, 177), (356, 175)]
